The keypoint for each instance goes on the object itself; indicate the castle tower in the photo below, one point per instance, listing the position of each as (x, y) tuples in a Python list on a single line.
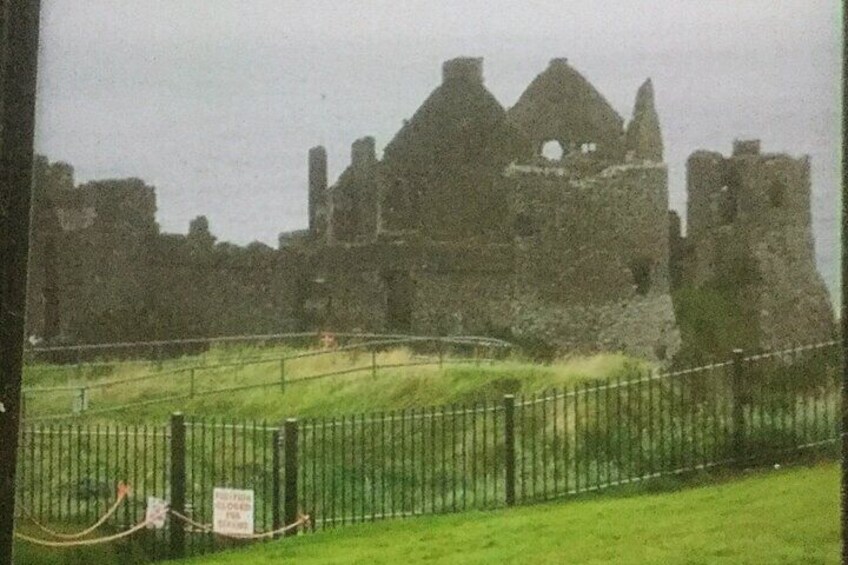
[(750, 233), (318, 212), (643, 139), (353, 199)]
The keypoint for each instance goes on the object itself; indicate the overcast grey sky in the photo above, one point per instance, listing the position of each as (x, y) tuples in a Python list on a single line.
[(217, 102)]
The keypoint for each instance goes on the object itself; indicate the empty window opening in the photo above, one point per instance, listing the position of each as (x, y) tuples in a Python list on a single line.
[(641, 271), (777, 194), (552, 150)]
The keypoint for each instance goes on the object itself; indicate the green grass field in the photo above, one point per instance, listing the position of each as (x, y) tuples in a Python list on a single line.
[(788, 516), (388, 389)]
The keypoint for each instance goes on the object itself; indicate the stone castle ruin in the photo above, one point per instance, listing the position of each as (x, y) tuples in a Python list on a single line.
[(547, 222)]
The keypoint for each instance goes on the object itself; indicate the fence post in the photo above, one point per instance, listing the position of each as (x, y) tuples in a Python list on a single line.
[(737, 386), (373, 363), (276, 518), (290, 454), (283, 375), (178, 483), (191, 391), (509, 444)]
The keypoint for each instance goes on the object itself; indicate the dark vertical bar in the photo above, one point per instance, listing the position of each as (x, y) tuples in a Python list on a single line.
[(290, 464), (544, 408), (597, 439), (497, 460), (566, 444), (392, 458), (453, 457), (324, 473), (522, 451), (125, 471), (383, 464), (402, 461), (485, 459), (463, 452), (433, 459), (302, 445), (333, 468), (412, 485), (443, 445), (19, 25), (639, 420), (738, 416), (586, 434), (474, 454), (618, 429), (213, 467), (178, 483), (313, 478), (555, 452), (509, 444), (576, 438), (650, 424), (343, 469), (607, 432), (373, 468)]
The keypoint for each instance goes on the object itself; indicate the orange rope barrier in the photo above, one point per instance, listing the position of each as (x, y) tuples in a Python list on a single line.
[(303, 519), (123, 492)]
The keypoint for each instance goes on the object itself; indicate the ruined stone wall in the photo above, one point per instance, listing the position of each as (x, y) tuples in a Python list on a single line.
[(101, 271), (91, 246), (439, 173), (750, 225), (592, 258)]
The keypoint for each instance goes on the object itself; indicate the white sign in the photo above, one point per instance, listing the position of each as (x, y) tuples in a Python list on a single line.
[(157, 509), (232, 511)]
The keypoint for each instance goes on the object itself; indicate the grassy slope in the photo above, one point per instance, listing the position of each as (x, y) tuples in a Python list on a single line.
[(789, 516), (357, 392)]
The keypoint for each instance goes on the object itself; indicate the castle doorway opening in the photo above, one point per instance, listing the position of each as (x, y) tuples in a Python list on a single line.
[(399, 295)]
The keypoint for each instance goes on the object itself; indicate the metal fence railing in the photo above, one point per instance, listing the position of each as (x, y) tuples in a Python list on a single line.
[(85, 392), (486, 454)]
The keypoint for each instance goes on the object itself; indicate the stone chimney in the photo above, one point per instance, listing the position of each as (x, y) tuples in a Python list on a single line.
[(463, 68)]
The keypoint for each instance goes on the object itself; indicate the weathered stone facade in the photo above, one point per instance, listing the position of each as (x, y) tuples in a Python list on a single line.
[(750, 230), (466, 225)]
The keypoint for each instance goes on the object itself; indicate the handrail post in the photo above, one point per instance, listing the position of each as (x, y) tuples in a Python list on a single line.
[(509, 445), (737, 388), (178, 483), (276, 517), (290, 464)]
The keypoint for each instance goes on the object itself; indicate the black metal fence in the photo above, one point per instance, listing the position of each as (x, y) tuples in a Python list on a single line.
[(485, 454)]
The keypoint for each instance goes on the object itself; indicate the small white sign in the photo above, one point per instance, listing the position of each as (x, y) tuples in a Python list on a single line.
[(157, 509), (232, 511)]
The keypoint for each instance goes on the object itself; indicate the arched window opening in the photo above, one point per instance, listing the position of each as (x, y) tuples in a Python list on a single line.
[(552, 150)]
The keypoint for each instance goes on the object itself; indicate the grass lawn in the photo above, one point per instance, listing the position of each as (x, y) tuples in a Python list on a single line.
[(787, 516)]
